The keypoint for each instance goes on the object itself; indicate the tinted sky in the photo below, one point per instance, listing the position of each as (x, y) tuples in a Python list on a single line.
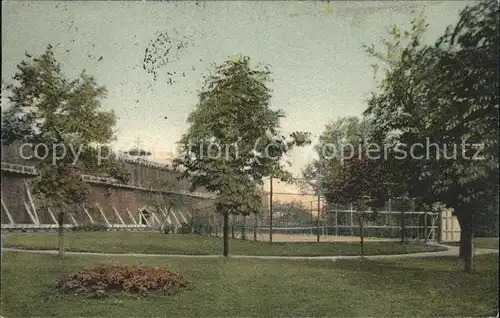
[(320, 71)]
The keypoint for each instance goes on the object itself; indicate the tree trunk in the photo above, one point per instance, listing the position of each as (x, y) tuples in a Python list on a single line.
[(402, 225), (361, 221), (466, 251), (226, 233), (61, 234), (255, 229), (232, 229), (243, 228)]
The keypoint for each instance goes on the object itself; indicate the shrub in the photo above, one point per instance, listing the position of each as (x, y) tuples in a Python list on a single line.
[(139, 279), (170, 228), (185, 229), (91, 228), (200, 228)]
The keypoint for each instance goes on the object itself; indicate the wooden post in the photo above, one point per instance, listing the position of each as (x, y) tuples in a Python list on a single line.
[(361, 221), (232, 227), (425, 226), (402, 225), (4, 238), (61, 234), (255, 228), (215, 224), (336, 221), (243, 237), (317, 221), (271, 211), (350, 208), (192, 224), (312, 219), (222, 224)]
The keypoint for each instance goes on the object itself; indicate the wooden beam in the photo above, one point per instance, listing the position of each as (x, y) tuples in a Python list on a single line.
[(29, 212), (11, 220), (103, 215), (88, 214), (53, 216), (131, 216), (28, 192), (118, 215)]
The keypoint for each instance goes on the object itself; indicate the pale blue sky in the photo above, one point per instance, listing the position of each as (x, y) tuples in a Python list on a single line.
[(320, 71)]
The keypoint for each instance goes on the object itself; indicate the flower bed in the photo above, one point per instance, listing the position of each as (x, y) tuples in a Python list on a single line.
[(139, 279)]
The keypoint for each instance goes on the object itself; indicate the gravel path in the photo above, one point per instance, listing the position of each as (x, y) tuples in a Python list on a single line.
[(451, 251)]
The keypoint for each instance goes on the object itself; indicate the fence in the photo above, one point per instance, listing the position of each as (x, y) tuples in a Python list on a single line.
[(410, 225)]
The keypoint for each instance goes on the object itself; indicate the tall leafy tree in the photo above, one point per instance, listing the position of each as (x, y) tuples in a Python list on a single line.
[(334, 144), (344, 141), (234, 138), (446, 94), (348, 171), (66, 117)]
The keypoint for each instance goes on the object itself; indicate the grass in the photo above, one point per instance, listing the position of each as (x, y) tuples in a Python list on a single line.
[(483, 242), (229, 288), (158, 243)]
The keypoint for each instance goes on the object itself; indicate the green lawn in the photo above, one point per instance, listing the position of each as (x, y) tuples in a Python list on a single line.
[(412, 287), (483, 242), (158, 243)]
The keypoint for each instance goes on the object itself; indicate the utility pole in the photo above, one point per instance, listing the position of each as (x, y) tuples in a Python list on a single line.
[(271, 210), (318, 193)]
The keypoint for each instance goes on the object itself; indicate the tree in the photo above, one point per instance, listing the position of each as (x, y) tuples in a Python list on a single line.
[(234, 138), (291, 212), (339, 141), (163, 203), (342, 148), (359, 181), (445, 94), (63, 115), (344, 174)]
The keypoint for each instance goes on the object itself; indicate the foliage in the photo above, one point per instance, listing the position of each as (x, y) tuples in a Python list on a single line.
[(184, 228), (168, 229), (199, 226), (291, 212), (194, 226), (343, 174), (234, 138), (90, 228), (60, 185), (340, 133), (163, 203), (126, 279), (47, 108), (447, 94)]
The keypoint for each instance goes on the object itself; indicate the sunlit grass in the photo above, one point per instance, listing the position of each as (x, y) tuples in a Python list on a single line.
[(237, 288)]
